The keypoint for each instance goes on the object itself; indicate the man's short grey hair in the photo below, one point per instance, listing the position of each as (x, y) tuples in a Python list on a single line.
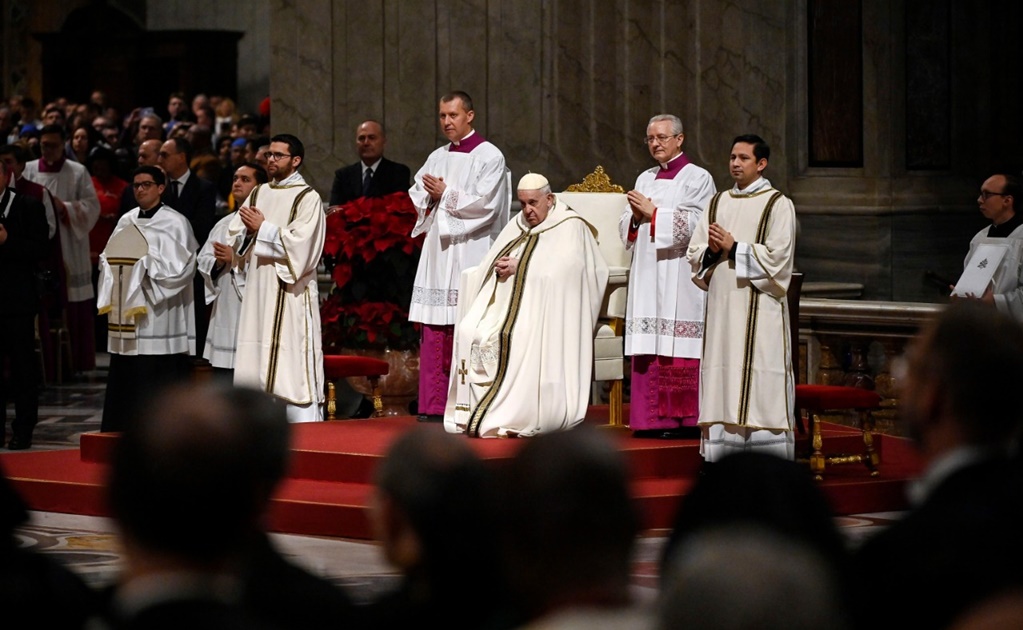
[(676, 122), (546, 190)]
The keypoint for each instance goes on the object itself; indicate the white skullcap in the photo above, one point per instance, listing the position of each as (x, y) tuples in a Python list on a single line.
[(533, 181)]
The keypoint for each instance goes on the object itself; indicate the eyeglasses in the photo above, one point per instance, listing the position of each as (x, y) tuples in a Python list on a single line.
[(659, 139), (273, 157), (987, 194), (143, 185)]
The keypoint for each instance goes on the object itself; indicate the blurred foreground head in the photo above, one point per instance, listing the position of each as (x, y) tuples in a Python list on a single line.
[(193, 476), (570, 523)]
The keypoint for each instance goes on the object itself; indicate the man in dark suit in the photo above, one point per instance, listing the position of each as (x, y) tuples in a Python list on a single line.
[(958, 545), (195, 198), (23, 236), (373, 175)]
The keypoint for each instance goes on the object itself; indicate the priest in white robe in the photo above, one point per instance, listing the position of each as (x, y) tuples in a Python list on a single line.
[(147, 294), (664, 312), (523, 348), (77, 210), (742, 255), (279, 230), (463, 197), (223, 274)]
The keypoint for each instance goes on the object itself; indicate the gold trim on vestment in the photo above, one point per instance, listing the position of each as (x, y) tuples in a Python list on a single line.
[(134, 312), (752, 315), (291, 219), (125, 262), (473, 427), (282, 290)]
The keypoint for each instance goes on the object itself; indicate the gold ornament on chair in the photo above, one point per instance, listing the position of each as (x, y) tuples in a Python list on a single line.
[(597, 181)]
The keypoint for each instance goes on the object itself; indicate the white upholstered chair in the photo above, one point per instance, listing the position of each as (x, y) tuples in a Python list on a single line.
[(601, 203)]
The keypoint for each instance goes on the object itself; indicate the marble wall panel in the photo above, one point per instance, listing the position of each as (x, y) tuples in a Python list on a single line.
[(563, 85), (846, 248)]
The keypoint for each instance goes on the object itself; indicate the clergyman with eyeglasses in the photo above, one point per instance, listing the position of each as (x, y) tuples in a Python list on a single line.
[(997, 202), (146, 290), (664, 314), (278, 234)]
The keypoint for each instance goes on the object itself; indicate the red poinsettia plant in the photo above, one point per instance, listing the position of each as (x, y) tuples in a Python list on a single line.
[(372, 259)]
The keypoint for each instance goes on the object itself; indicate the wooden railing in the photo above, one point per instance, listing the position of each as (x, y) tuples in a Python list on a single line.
[(853, 342)]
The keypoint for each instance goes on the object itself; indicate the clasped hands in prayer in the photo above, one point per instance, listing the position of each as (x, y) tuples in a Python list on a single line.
[(506, 266), (252, 218), (642, 206), (719, 239), (223, 254), (435, 186)]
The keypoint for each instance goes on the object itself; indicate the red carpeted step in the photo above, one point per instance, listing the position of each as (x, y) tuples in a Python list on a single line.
[(329, 486)]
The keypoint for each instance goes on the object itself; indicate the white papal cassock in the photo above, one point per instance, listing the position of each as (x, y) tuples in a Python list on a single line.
[(524, 345), (279, 343), (225, 292), (157, 299), (460, 227), (746, 382)]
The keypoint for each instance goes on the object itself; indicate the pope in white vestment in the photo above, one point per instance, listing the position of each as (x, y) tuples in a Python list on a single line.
[(279, 339), (463, 197), (523, 348), (747, 387)]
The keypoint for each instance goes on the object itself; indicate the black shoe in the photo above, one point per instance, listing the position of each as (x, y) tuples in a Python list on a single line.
[(365, 410), (19, 443), (430, 418), (682, 433)]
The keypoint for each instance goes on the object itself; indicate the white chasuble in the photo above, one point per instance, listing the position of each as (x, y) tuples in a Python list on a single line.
[(279, 340), (157, 300), (225, 292), (459, 228), (746, 373), (523, 348), (664, 313)]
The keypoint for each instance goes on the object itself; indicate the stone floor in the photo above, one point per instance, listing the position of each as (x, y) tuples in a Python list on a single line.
[(88, 545)]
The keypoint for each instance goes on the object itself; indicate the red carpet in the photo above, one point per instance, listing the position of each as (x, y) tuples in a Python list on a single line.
[(329, 484)]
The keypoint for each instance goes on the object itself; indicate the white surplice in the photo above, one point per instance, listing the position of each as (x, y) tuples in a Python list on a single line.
[(72, 185), (747, 387), (523, 349), (225, 292), (1008, 279), (159, 296), (279, 341), (664, 314), (459, 228)]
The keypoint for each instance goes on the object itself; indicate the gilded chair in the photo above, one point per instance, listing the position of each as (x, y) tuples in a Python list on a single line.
[(336, 366), (601, 203)]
